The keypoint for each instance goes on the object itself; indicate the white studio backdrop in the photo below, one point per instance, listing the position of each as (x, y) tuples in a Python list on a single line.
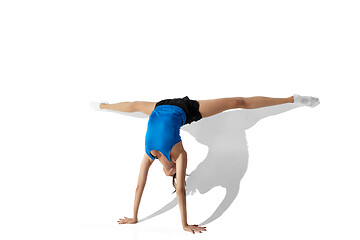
[(70, 172)]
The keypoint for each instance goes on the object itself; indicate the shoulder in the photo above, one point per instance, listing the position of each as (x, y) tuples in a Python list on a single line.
[(149, 158)]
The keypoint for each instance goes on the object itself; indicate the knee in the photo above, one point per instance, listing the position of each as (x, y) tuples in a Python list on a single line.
[(239, 102), (183, 154), (134, 106)]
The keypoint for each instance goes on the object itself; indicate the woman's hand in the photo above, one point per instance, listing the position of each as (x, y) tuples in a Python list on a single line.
[(194, 228), (127, 220)]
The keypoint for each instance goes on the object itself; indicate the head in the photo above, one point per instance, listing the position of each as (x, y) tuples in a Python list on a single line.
[(169, 168), (174, 181)]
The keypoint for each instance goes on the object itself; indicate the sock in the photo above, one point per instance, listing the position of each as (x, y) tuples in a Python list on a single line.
[(306, 100), (96, 105)]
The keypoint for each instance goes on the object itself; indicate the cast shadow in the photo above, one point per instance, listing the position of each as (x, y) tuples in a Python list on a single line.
[(227, 159)]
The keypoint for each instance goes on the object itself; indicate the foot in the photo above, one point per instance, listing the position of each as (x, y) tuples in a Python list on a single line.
[(306, 100), (96, 105)]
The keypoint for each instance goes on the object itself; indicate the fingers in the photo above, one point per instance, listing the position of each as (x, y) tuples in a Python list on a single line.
[(122, 220), (127, 220), (199, 229), (195, 228)]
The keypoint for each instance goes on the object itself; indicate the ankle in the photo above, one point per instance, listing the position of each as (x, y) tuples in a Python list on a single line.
[(291, 99)]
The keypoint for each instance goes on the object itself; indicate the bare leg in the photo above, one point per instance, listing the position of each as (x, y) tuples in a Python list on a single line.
[(214, 106), (136, 106), (259, 102)]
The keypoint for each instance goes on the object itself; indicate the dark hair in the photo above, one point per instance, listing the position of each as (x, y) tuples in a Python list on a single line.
[(174, 184)]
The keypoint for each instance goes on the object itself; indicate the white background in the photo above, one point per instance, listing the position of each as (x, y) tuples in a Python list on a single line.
[(70, 172)]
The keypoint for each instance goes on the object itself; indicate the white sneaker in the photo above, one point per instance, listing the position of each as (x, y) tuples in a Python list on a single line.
[(96, 105), (306, 100)]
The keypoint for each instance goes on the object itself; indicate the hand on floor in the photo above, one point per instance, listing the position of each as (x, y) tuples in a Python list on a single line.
[(126, 220), (193, 228)]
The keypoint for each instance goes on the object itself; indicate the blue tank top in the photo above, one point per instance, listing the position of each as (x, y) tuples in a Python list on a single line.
[(163, 129)]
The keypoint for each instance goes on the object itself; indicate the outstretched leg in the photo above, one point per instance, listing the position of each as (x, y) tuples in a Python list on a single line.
[(211, 107), (136, 106)]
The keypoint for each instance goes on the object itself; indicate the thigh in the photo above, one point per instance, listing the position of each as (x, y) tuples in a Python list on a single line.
[(145, 107), (211, 107)]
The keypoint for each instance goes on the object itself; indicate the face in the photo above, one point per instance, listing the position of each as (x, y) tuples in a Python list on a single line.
[(169, 168), (169, 171)]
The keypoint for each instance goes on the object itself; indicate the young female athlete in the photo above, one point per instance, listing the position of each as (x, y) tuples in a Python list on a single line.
[(163, 141)]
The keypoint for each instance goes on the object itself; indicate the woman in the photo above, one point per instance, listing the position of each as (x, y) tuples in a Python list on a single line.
[(163, 141)]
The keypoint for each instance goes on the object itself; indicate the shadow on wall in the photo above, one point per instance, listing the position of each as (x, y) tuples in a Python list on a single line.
[(227, 159)]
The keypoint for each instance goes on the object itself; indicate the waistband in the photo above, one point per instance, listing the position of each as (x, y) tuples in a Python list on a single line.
[(178, 110)]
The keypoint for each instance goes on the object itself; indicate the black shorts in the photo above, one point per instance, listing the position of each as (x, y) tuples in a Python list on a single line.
[(190, 107)]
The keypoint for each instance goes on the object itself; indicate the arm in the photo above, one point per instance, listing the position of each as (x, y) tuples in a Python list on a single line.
[(144, 168), (181, 163)]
